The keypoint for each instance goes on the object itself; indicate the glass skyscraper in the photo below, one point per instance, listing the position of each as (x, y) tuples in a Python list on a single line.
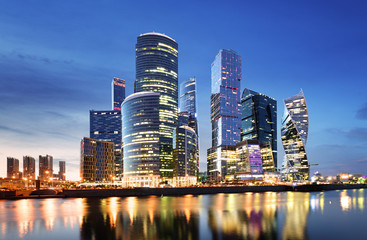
[(188, 96), (259, 122), (118, 93), (157, 71), (249, 159), (294, 137), (106, 126), (45, 167), (62, 169), (12, 168), (141, 138), (29, 167), (225, 113)]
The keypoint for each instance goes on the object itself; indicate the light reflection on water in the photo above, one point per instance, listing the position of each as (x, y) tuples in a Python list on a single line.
[(269, 215)]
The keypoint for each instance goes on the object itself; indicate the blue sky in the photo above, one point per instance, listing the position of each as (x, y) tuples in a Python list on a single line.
[(57, 60)]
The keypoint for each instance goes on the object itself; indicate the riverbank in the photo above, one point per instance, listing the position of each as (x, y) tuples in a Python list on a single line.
[(141, 192)]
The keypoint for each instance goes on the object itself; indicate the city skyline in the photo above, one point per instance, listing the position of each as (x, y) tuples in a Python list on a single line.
[(56, 67)]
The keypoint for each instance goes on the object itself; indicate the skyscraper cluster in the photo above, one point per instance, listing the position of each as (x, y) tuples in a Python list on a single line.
[(29, 168), (151, 137)]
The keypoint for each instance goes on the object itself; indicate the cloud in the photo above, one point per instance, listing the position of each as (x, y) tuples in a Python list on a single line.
[(31, 57), (358, 133), (362, 112), (13, 130)]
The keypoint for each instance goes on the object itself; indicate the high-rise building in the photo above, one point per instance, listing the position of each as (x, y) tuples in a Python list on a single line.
[(96, 161), (225, 113), (259, 122), (45, 167), (106, 126), (13, 168), (294, 138), (118, 93), (141, 138), (29, 167), (62, 169), (249, 163), (185, 154), (188, 96), (157, 71)]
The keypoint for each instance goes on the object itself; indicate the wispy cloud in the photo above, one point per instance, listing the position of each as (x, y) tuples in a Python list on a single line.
[(358, 133), (362, 112), (14, 130)]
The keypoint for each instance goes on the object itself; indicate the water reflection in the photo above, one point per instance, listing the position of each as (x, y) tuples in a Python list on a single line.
[(222, 216)]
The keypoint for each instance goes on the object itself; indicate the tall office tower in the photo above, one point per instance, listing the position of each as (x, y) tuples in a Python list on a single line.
[(96, 161), (188, 100), (118, 93), (225, 114), (259, 122), (294, 137), (141, 138), (106, 126), (249, 162), (12, 168), (45, 167), (157, 71), (62, 169), (29, 167), (185, 154)]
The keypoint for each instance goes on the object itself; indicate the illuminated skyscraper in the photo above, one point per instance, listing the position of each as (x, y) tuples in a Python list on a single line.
[(225, 113), (29, 167), (45, 167), (188, 100), (12, 167), (259, 122), (157, 71), (62, 170), (118, 93), (249, 159), (96, 161), (294, 137), (141, 138), (106, 126)]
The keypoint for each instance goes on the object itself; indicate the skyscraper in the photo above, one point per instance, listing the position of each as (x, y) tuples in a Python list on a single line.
[(106, 126), (29, 167), (157, 71), (118, 93), (96, 161), (249, 159), (62, 169), (141, 138), (45, 167), (225, 113), (259, 122), (294, 138), (188, 96), (12, 168)]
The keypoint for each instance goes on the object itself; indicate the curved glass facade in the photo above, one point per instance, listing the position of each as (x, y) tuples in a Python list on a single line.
[(294, 137), (140, 130), (157, 71), (188, 96)]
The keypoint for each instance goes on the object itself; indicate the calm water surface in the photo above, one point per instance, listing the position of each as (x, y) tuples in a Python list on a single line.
[(286, 215)]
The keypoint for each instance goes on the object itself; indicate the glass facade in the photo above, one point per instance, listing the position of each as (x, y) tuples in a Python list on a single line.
[(106, 126), (62, 169), (225, 111), (118, 93), (141, 137), (29, 167), (249, 157), (259, 122), (294, 137), (157, 71), (12, 168), (45, 167), (188, 96), (96, 161)]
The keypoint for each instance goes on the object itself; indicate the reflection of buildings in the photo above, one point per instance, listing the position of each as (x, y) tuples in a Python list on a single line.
[(259, 122), (29, 167), (45, 167), (294, 137), (225, 113), (12, 168)]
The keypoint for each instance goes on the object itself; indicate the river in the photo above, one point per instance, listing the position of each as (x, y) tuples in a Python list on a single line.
[(284, 215)]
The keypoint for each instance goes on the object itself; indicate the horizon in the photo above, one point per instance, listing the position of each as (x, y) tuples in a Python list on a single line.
[(58, 61)]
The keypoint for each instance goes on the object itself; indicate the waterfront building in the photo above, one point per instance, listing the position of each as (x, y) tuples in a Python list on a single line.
[(96, 161), (45, 167), (13, 168), (188, 101), (225, 114), (118, 93), (259, 122), (157, 71), (249, 162), (106, 126), (141, 137), (29, 167), (185, 154), (294, 138), (62, 169)]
